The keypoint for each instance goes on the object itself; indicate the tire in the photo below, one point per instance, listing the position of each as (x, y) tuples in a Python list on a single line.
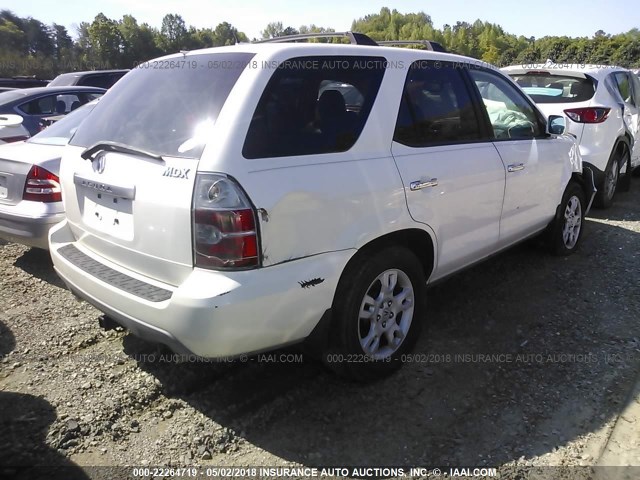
[(372, 328), (607, 191), (568, 226)]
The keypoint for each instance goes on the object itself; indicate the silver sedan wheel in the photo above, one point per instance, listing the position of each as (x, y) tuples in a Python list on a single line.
[(611, 180), (386, 313), (572, 222)]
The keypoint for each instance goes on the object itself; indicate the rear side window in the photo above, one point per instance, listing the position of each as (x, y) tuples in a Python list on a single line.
[(167, 111), (635, 89), (314, 105), (543, 87), (624, 86), (436, 107)]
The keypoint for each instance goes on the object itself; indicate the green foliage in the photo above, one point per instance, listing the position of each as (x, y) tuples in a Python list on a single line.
[(29, 47), (490, 43)]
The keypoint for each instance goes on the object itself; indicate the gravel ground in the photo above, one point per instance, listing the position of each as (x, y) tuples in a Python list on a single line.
[(529, 360)]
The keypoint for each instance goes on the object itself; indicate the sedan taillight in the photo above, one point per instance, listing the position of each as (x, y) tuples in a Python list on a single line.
[(42, 186), (225, 234), (588, 114)]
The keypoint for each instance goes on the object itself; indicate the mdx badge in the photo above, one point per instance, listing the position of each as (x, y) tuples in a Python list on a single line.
[(174, 172)]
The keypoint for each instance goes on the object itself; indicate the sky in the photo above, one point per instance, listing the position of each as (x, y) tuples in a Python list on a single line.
[(544, 17)]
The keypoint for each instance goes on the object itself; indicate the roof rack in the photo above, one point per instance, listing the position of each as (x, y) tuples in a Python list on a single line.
[(354, 37), (430, 45)]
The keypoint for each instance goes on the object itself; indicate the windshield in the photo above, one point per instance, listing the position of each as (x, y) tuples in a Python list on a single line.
[(166, 107), (60, 132), (544, 87)]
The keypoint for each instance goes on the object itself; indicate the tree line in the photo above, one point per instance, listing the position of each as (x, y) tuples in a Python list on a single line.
[(30, 47)]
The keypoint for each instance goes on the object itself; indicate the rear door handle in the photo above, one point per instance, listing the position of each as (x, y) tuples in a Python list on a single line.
[(515, 167), (419, 184)]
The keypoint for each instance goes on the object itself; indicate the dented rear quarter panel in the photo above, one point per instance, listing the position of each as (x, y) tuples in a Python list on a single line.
[(314, 204)]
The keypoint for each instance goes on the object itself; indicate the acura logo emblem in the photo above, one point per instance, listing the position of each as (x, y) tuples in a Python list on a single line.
[(99, 163)]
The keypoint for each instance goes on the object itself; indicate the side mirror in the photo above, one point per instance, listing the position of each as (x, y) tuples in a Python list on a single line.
[(555, 125)]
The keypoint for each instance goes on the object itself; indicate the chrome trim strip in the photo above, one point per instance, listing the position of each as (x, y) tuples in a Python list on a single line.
[(128, 193)]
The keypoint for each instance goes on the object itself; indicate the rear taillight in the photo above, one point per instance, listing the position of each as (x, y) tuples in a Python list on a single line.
[(17, 138), (42, 186), (224, 224), (588, 114)]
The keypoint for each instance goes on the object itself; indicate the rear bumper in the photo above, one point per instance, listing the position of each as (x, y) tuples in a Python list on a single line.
[(18, 224), (211, 314)]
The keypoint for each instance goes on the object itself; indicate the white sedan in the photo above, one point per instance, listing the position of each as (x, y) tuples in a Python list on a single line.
[(30, 194)]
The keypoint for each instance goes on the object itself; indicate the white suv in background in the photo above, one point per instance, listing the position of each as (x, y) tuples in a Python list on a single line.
[(304, 191), (601, 105)]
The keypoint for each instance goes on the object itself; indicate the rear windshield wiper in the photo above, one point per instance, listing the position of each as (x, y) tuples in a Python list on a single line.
[(90, 152)]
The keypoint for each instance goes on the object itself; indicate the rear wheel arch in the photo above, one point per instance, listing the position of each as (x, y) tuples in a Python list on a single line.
[(418, 241), (623, 146)]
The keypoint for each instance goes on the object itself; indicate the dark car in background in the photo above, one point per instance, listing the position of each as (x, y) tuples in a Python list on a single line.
[(23, 82), (36, 104), (91, 78)]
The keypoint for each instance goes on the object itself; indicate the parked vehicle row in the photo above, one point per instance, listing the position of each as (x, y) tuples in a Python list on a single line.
[(601, 107), (90, 78), (313, 202)]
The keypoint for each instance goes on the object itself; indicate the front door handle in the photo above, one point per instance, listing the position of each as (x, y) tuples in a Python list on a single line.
[(419, 184), (515, 167)]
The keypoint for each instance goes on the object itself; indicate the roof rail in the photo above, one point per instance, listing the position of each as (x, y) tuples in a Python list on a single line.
[(429, 44), (354, 37)]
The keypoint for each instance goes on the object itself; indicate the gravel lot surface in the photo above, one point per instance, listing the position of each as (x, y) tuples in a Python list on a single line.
[(529, 360)]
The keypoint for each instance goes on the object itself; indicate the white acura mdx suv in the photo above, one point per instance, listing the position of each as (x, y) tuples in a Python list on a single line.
[(238, 199), (601, 106)]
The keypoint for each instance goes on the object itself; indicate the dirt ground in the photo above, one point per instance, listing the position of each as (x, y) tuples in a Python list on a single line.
[(529, 361)]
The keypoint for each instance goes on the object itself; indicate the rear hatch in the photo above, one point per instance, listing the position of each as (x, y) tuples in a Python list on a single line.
[(556, 91), (128, 174)]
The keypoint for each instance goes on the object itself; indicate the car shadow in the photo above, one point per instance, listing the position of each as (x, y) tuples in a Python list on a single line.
[(7, 340), (525, 353), (24, 425), (37, 262), (625, 206)]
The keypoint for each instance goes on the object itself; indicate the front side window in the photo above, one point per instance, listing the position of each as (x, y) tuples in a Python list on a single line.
[(436, 107), (510, 114), (314, 105)]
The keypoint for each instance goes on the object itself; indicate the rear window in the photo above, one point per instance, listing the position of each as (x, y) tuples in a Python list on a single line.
[(547, 88), (166, 107), (63, 80), (314, 105), (103, 80), (60, 132)]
